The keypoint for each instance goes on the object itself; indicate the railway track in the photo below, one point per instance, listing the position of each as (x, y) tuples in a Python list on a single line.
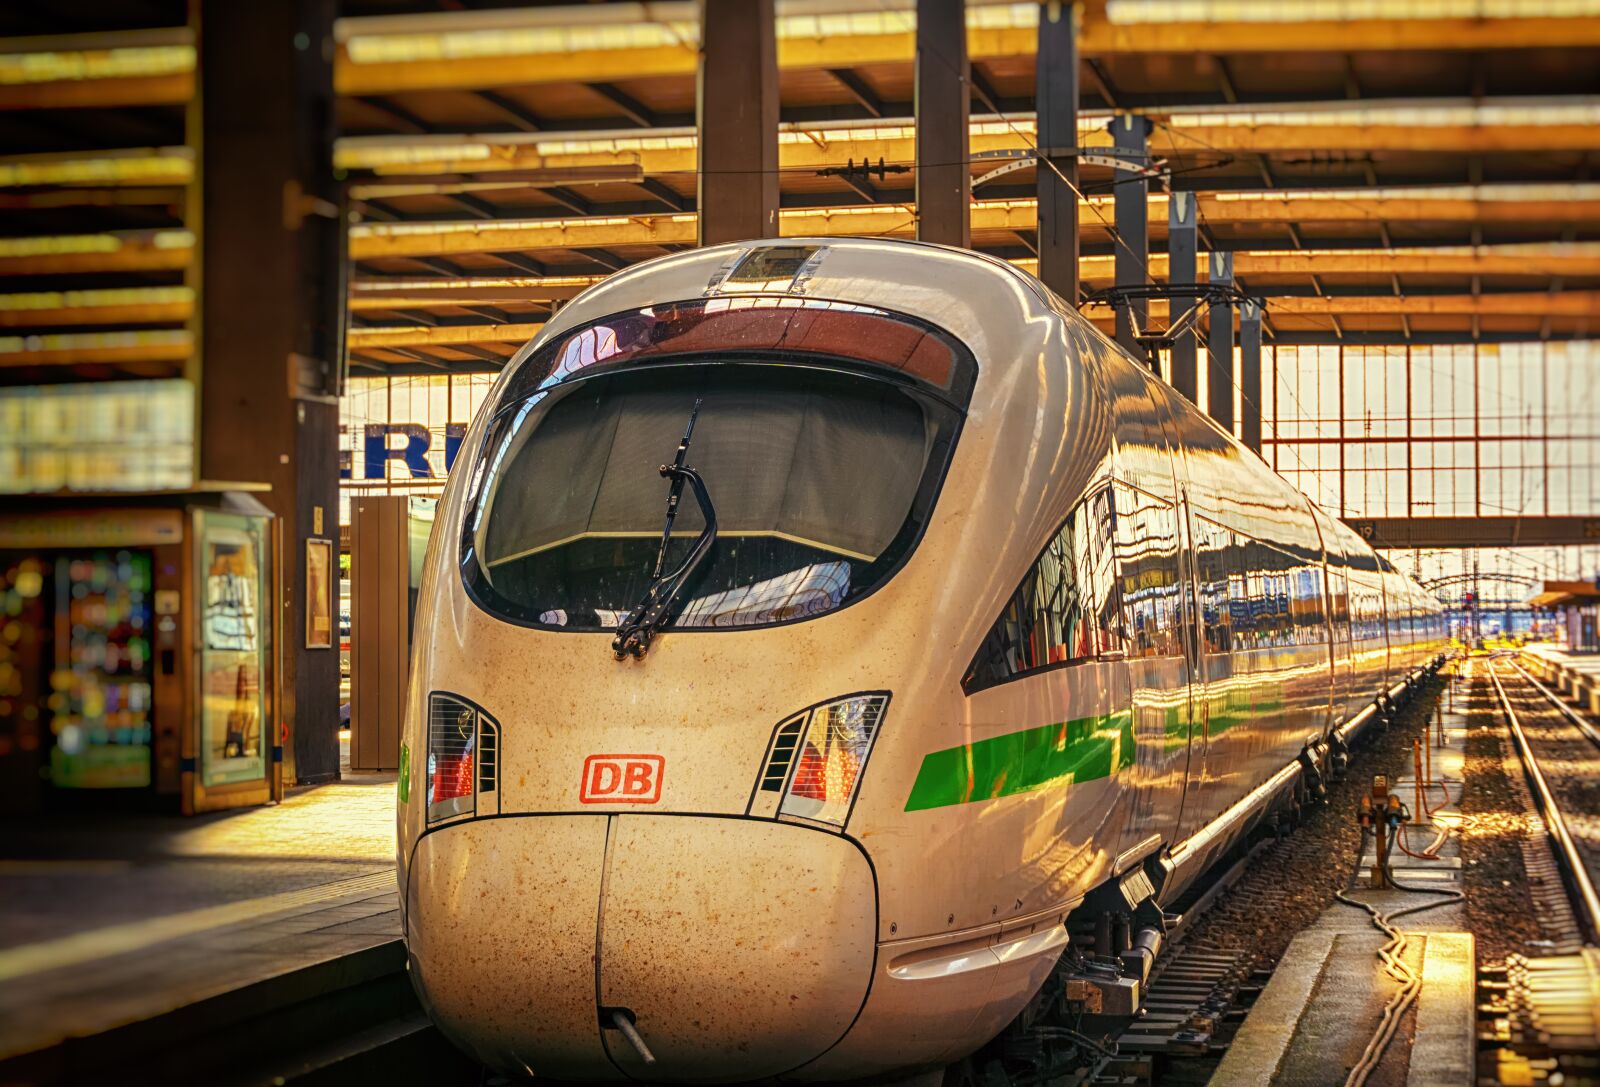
[(1539, 1017), (1560, 755)]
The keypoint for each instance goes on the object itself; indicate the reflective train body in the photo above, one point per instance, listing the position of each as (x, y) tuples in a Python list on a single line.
[(973, 619)]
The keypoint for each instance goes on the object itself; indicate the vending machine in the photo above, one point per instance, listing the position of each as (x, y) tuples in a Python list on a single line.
[(137, 653)]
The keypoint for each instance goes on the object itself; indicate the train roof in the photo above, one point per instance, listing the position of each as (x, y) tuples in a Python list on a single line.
[(958, 290)]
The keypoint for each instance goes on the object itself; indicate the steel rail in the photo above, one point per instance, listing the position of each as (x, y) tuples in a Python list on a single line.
[(1585, 900), (1584, 724)]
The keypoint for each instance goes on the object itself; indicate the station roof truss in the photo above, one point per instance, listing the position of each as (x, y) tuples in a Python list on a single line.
[(1413, 177)]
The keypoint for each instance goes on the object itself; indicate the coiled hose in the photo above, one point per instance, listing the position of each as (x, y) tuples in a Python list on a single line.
[(1392, 955)]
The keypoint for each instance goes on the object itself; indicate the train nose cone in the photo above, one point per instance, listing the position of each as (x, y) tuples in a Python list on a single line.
[(743, 948), (500, 927)]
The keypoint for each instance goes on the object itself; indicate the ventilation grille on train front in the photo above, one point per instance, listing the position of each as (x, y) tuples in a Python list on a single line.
[(488, 751), (783, 746)]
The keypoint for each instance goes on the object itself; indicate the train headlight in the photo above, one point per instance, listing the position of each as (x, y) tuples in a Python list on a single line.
[(831, 757), (462, 744)]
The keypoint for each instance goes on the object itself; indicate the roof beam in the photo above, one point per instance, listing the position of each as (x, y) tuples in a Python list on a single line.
[(1225, 81), (1519, 303), (376, 240), (1097, 73), (376, 209), (138, 167), (568, 199), (78, 254), (494, 313), (666, 195), (111, 348), (603, 258), (127, 68), (476, 205), (480, 353), (893, 42), (381, 293), (629, 106), (402, 118), (983, 92), (122, 306), (396, 337), (417, 356), (440, 265), (863, 94), (515, 112), (522, 262), (1479, 531), (1570, 128)]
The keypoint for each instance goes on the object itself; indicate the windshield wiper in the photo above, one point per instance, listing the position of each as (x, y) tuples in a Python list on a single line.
[(639, 626)]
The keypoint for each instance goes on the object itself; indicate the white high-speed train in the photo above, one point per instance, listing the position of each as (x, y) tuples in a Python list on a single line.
[(821, 641)]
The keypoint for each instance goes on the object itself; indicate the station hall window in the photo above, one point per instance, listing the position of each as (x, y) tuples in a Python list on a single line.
[(1066, 608)]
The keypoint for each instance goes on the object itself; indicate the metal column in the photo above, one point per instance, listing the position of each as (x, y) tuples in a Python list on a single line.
[(1219, 348), (1250, 373), (1056, 101), (736, 112), (271, 312), (1130, 139), (943, 98), (1182, 245)]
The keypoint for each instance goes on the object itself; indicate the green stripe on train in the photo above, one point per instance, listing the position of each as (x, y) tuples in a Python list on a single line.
[(1020, 762)]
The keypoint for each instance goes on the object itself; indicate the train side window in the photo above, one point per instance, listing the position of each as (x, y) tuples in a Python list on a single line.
[(1064, 611), (1147, 546), (1242, 617), (1211, 554)]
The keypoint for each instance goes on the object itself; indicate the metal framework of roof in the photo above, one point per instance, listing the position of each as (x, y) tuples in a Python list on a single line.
[(1410, 178)]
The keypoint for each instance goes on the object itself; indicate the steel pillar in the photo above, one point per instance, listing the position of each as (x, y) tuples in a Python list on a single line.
[(736, 113), (1056, 102), (1219, 348), (1182, 246), (943, 100), (1130, 139), (272, 234), (1250, 373)]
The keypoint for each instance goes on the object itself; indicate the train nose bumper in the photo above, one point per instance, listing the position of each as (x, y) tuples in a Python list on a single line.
[(742, 948)]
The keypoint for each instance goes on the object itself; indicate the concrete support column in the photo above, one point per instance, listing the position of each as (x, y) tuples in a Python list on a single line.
[(272, 234), (1250, 373), (1130, 139), (1056, 101), (1219, 348), (1182, 245), (736, 112), (943, 97)]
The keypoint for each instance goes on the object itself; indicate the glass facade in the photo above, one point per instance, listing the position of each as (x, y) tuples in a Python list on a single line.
[(1367, 431), (1456, 430), (399, 435)]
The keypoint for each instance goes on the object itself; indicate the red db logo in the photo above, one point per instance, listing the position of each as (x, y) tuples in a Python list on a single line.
[(622, 779)]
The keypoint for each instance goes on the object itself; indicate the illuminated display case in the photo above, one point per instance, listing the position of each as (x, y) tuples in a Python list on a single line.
[(97, 436), (138, 652)]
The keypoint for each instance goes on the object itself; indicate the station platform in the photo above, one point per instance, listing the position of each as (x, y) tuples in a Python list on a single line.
[(113, 925), (1328, 996), (1574, 675)]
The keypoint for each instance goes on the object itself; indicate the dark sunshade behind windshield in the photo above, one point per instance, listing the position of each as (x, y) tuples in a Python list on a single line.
[(820, 481)]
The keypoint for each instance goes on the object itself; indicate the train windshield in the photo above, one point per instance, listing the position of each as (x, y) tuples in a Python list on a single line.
[(822, 480)]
